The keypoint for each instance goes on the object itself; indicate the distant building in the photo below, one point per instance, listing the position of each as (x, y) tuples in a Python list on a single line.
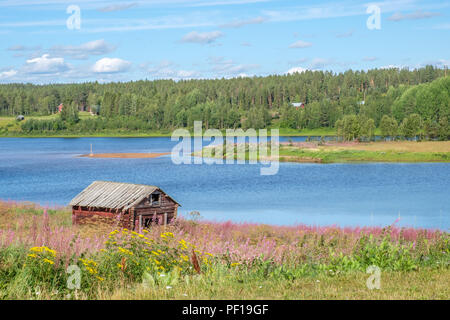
[(60, 107), (20, 117), (298, 105)]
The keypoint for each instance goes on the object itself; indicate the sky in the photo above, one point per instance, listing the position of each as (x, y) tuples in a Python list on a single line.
[(55, 41)]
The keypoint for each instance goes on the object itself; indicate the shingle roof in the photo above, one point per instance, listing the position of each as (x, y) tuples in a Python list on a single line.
[(114, 195)]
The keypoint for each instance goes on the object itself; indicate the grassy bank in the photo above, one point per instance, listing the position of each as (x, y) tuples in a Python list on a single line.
[(394, 151), (206, 260), (334, 152)]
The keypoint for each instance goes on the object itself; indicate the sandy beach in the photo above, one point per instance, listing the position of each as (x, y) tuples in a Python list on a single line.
[(125, 155)]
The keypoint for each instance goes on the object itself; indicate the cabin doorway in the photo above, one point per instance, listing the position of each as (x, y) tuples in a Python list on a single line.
[(146, 221)]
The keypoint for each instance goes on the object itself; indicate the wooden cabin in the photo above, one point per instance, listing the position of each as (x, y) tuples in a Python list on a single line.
[(136, 205)]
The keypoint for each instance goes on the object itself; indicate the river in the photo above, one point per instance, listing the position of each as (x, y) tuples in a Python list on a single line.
[(48, 171)]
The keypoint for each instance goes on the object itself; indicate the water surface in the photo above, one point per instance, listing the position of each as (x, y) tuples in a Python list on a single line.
[(48, 171)]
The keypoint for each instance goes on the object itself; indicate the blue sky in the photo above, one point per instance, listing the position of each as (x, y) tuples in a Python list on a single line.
[(185, 39)]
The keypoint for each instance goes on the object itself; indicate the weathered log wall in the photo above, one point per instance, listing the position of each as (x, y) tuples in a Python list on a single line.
[(144, 212)]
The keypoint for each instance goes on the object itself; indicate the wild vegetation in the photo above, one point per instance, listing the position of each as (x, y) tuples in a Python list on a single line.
[(194, 259), (332, 151), (353, 102)]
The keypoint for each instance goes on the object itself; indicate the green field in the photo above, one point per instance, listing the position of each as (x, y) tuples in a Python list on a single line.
[(205, 260), (290, 154), (334, 152)]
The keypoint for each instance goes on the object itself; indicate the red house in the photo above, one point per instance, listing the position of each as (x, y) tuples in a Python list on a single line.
[(298, 105), (60, 107)]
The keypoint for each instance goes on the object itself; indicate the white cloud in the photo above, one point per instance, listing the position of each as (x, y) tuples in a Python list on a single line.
[(413, 16), (300, 44), (45, 64), (148, 3), (370, 59), (440, 63), (222, 67), (202, 37), (345, 34), (296, 70), (320, 63), (8, 74), (117, 7), (20, 47), (391, 66), (297, 61), (443, 26), (111, 65), (168, 70), (241, 23), (83, 51)]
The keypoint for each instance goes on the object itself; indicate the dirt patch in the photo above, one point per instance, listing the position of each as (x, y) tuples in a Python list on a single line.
[(293, 159), (125, 155)]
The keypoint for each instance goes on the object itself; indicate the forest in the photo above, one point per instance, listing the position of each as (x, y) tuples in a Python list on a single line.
[(397, 101)]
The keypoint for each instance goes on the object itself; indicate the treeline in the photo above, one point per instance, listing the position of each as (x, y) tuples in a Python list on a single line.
[(353, 127), (256, 102), (91, 125)]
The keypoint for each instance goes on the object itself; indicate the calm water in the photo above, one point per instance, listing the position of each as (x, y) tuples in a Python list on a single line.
[(49, 172)]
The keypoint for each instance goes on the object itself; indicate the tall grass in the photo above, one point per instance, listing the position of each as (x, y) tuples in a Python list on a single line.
[(37, 245)]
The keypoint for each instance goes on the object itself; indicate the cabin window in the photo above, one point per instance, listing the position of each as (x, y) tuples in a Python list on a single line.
[(155, 199)]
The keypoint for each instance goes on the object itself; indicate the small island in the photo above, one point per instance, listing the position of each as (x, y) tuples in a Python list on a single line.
[(341, 152), (125, 155)]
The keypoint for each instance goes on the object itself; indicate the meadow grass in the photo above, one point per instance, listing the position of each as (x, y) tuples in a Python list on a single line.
[(209, 260), (338, 152), (293, 154), (422, 284)]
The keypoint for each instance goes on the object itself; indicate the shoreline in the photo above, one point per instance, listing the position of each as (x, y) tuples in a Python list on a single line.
[(356, 152), (144, 136), (283, 132)]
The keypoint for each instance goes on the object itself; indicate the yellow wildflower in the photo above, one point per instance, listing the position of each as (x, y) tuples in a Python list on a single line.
[(125, 251), (48, 261), (185, 258), (91, 271)]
